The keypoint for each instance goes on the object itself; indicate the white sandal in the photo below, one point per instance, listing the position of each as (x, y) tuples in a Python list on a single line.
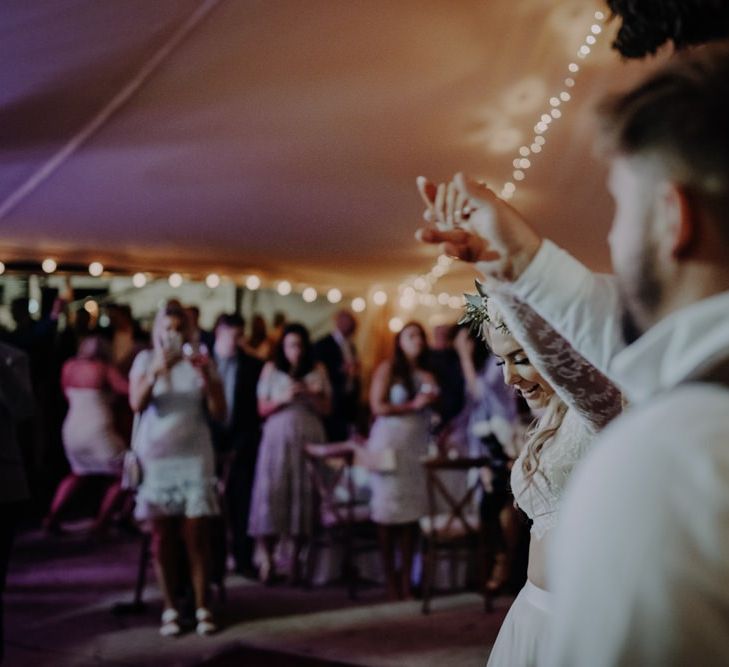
[(170, 623), (205, 625)]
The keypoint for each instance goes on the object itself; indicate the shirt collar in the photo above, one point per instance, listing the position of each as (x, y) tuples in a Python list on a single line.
[(674, 350)]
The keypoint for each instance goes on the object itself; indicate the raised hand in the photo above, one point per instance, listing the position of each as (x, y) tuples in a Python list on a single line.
[(474, 225)]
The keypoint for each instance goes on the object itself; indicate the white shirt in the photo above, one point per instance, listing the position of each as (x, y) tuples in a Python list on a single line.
[(640, 560)]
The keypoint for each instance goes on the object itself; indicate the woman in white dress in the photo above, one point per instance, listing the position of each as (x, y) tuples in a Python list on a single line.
[(174, 388), (572, 399), (293, 395), (93, 446), (402, 390)]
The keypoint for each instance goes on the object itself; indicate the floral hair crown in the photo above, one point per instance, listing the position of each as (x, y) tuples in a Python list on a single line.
[(476, 313)]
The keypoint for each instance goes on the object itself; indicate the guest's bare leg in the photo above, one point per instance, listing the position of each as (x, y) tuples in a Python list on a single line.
[(68, 488), (296, 559), (108, 505), (165, 547), (268, 567), (409, 535), (501, 572), (196, 533), (386, 536)]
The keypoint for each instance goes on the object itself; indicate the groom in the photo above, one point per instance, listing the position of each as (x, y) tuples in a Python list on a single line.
[(640, 568)]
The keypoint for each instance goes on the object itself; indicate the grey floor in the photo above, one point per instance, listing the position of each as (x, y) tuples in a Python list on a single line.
[(61, 591)]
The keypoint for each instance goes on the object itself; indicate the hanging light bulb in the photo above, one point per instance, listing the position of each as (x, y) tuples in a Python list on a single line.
[(253, 282), (139, 280)]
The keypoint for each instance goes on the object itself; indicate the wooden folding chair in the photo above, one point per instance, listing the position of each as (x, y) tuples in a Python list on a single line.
[(453, 524), (338, 516)]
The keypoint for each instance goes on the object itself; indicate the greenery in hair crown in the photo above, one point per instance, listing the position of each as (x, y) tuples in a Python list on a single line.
[(476, 313)]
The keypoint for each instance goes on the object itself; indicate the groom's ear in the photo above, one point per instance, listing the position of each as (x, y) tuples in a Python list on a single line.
[(682, 219)]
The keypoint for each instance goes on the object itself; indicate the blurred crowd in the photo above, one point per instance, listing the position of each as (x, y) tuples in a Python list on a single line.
[(198, 435)]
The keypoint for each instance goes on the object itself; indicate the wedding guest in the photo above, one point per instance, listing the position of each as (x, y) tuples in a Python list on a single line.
[(174, 394), (92, 444), (401, 397), (338, 353), (17, 403), (237, 437), (293, 396)]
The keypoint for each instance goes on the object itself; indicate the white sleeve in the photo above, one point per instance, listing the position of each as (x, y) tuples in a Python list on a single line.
[(582, 306), (579, 384), (638, 562)]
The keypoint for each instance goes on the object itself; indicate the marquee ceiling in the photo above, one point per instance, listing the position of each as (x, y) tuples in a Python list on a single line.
[(284, 136)]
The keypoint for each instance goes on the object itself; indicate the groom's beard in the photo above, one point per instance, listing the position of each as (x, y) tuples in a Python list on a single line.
[(641, 294)]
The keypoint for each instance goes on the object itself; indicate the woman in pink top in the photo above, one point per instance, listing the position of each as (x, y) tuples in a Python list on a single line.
[(93, 447)]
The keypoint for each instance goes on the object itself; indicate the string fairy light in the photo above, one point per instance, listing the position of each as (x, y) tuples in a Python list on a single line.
[(416, 291)]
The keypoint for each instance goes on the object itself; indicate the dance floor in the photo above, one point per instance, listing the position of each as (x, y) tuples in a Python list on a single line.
[(61, 592)]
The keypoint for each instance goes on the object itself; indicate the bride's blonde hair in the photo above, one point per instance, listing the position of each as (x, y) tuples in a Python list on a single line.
[(544, 427)]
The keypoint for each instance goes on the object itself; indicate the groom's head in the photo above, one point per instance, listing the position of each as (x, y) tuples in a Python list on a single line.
[(668, 143)]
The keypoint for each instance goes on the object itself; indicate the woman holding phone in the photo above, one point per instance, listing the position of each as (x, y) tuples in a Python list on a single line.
[(173, 393)]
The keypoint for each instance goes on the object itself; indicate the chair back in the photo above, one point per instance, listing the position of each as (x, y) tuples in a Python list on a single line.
[(330, 469), (452, 512)]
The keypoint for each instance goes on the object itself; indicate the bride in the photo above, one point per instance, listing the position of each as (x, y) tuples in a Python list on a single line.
[(572, 401)]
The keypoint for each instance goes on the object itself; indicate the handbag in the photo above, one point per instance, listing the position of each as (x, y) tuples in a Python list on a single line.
[(131, 476)]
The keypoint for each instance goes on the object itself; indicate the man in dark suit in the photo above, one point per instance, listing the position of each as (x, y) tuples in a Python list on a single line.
[(236, 439), (16, 404), (337, 352)]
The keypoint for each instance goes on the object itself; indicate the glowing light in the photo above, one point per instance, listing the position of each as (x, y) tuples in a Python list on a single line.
[(33, 306), (443, 298), (395, 325), (284, 287), (573, 67), (540, 141), (509, 187), (309, 295), (536, 148), (139, 280), (439, 270), (455, 302), (518, 175), (524, 151), (524, 163), (599, 16), (2, 268), (49, 265), (407, 302), (516, 163), (420, 284), (91, 307), (213, 280), (96, 269), (566, 97), (444, 260), (540, 127), (596, 29), (584, 50), (379, 298), (546, 118), (334, 295), (253, 282), (590, 39), (556, 113), (175, 280), (569, 82), (408, 292), (358, 304)]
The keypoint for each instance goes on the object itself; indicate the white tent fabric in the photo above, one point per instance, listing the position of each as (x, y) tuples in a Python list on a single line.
[(284, 136)]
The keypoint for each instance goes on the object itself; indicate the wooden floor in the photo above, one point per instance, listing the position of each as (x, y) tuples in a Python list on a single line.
[(61, 592)]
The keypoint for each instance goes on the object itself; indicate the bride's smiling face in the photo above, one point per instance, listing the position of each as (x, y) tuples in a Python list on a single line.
[(518, 370)]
